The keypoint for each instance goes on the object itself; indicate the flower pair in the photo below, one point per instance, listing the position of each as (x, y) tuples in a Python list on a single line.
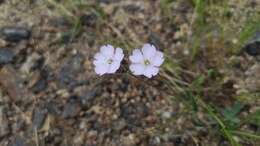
[(145, 61)]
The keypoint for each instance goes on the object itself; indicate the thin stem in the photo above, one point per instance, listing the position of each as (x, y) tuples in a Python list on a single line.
[(62, 8), (246, 134), (222, 125)]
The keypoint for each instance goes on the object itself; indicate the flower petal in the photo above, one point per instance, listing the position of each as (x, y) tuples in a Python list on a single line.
[(101, 69), (98, 62), (118, 54), (137, 56), (148, 51), (107, 51), (114, 67), (151, 71), (99, 56), (158, 59), (99, 59), (137, 69)]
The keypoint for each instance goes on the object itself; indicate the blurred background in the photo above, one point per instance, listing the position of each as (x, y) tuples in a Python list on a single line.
[(206, 94)]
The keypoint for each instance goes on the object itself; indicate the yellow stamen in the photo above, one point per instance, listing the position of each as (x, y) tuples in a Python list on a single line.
[(146, 62), (109, 61)]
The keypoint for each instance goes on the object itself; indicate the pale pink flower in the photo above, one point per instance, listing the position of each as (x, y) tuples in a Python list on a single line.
[(146, 61), (108, 60)]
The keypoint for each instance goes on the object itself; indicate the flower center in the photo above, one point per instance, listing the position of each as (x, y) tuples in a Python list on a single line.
[(146, 62), (109, 61)]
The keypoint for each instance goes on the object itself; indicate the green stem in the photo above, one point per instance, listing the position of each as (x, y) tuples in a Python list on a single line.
[(221, 124), (246, 134)]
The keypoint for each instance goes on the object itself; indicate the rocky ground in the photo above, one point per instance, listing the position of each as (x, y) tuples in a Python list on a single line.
[(50, 95)]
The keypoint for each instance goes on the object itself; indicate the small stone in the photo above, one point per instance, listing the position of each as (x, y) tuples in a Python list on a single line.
[(53, 108), (4, 127), (132, 8), (166, 115), (71, 109), (14, 34), (134, 112), (18, 142), (253, 47), (11, 81), (70, 70), (154, 141), (6, 56), (131, 139), (30, 63), (39, 115), (20, 124), (119, 125), (3, 43), (39, 86), (87, 98)]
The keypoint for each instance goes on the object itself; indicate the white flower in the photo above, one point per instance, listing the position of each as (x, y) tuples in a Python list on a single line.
[(108, 59), (146, 61)]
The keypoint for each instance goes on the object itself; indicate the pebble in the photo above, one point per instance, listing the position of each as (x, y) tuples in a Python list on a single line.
[(154, 141), (166, 115), (30, 62), (41, 82), (4, 127), (131, 139), (253, 47), (134, 112), (14, 34), (6, 55), (119, 125), (71, 109), (53, 108), (87, 98), (18, 142), (11, 81), (69, 71), (132, 8), (39, 86), (39, 115), (3, 43)]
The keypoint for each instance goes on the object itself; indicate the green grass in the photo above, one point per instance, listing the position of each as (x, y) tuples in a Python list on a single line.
[(209, 15), (249, 30), (227, 119), (199, 25), (224, 129)]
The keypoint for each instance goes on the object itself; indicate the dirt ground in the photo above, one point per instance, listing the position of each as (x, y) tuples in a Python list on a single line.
[(207, 92)]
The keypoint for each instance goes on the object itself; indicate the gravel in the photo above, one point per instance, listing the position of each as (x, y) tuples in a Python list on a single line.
[(67, 76), (47, 80), (71, 109), (18, 142), (6, 55), (4, 126), (39, 115), (14, 34)]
